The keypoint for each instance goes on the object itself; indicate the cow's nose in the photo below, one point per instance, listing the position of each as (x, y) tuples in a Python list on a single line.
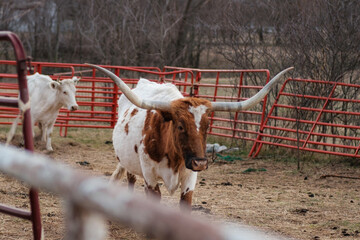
[(75, 107), (199, 164)]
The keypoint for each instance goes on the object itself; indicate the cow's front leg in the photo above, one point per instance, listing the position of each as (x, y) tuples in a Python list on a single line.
[(43, 129), (49, 131), (152, 188), (188, 182), (153, 191), (33, 126)]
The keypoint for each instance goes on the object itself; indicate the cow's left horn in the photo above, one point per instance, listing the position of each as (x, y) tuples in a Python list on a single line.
[(135, 99), (77, 79), (249, 103)]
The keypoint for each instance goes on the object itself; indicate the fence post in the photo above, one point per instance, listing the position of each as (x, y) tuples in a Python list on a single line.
[(93, 93), (214, 99), (81, 224), (238, 95), (115, 100)]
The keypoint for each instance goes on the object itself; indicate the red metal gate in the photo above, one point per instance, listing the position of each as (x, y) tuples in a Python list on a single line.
[(97, 97), (313, 115), (34, 214)]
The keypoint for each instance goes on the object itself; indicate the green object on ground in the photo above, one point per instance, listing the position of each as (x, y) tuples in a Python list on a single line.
[(254, 170), (228, 157)]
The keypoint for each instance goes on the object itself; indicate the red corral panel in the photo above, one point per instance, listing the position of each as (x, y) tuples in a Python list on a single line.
[(96, 94), (230, 85), (316, 116), (310, 115)]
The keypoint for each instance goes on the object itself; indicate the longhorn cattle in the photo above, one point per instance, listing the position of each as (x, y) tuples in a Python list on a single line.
[(46, 99), (161, 135)]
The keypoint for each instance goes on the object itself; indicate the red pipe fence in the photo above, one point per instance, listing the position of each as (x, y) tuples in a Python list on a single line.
[(97, 97), (313, 115)]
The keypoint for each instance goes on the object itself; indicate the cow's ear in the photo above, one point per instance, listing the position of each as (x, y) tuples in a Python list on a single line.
[(76, 80), (166, 115), (54, 85)]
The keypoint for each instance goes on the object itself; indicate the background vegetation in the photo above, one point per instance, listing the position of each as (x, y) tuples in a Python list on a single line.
[(319, 37)]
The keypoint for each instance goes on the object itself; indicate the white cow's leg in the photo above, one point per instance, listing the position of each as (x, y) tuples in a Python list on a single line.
[(188, 182), (49, 130), (118, 173), (152, 188), (153, 191), (43, 129), (33, 126), (131, 180)]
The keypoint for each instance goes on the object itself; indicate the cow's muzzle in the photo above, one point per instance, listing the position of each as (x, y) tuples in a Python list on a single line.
[(74, 108), (198, 164)]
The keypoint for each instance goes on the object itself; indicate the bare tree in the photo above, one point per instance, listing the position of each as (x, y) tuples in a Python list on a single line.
[(320, 38)]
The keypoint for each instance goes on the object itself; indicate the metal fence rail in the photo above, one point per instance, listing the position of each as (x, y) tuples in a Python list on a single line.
[(90, 200), (290, 118), (96, 95), (314, 116)]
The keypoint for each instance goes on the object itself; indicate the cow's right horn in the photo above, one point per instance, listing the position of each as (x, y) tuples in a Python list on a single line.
[(249, 103), (135, 99)]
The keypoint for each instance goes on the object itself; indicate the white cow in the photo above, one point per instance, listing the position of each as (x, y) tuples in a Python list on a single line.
[(46, 98)]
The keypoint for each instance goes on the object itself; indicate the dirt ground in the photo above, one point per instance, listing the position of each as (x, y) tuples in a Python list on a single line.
[(268, 193)]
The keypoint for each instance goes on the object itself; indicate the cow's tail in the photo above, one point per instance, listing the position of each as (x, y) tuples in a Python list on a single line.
[(12, 131)]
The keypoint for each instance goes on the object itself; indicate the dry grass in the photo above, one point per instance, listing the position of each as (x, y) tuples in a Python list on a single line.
[(294, 203)]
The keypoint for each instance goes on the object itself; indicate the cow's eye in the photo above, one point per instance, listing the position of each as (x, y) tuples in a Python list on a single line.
[(65, 92), (180, 128)]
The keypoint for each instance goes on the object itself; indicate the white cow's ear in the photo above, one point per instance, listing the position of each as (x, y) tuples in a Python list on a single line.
[(54, 85), (76, 80)]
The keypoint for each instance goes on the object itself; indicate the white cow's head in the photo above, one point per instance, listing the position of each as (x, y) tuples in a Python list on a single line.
[(66, 92)]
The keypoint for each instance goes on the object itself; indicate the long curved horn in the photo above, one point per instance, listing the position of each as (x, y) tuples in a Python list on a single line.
[(135, 99), (249, 103), (80, 76)]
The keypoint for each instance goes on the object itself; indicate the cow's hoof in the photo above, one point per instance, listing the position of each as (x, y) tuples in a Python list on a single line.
[(50, 150)]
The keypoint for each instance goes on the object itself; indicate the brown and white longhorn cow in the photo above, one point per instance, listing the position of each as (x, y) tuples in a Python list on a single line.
[(161, 135)]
